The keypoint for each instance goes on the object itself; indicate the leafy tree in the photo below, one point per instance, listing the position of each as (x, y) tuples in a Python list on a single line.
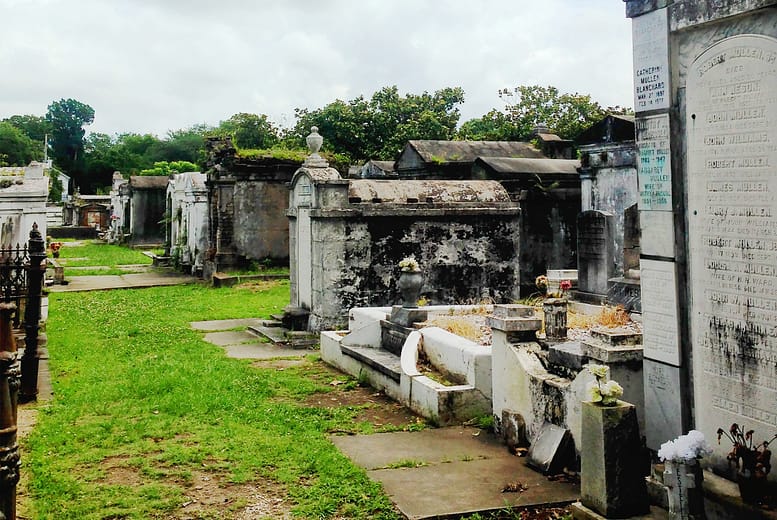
[(566, 115), (34, 127), (182, 145), (378, 128), (55, 186), (250, 131), (67, 118), (16, 149), (168, 168)]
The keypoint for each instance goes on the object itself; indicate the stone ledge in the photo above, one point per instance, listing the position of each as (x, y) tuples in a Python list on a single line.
[(515, 324), (513, 311), (722, 501), (580, 512), (605, 353)]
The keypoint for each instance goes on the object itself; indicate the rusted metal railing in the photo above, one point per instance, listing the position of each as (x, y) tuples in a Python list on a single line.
[(21, 285)]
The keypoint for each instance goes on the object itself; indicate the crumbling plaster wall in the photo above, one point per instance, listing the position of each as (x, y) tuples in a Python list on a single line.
[(464, 258)]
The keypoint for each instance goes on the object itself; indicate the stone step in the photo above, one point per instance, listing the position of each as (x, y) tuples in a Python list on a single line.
[(271, 323), (275, 334), (378, 359), (302, 339)]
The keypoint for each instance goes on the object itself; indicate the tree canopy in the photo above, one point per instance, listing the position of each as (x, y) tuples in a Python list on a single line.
[(528, 106), (250, 131), (379, 127), (16, 149), (361, 128), (67, 119)]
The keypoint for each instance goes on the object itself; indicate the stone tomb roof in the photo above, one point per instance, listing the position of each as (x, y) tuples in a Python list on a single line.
[(414, 192), (149, 182), (468, 151), (510, 165)]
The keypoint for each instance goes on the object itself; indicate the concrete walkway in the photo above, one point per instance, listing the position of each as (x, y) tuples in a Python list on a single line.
[(238, 342), (444, 472), (123, 281)]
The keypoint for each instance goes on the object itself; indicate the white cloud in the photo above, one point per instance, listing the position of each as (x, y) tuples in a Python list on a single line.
[(152, 66)]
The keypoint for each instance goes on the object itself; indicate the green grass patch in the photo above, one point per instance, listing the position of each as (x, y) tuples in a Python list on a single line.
[(94, 253), (132, 382)]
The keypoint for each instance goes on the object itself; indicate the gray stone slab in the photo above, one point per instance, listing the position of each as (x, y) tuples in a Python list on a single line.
[(470, 487), (604, 353), (552, 450), (732, 215), (125, 281), (514, 310), (466, 471), (663, 403), (230, 337), (263, 351), (214, 325), (595, 251), (274, 334), (568, 354), (384, 361), (430, 446), (515, 324), (651, 60)]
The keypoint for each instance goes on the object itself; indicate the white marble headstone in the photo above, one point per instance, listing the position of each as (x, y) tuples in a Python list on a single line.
[(731, 115), (651, 61)]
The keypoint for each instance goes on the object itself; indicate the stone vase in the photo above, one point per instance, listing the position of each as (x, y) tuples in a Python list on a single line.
[(612, 484), (410, 283), (555, 310), (684, 479)]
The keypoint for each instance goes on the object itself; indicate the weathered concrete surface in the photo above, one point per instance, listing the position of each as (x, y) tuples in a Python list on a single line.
[(242, 344), (230, 337), (215, 325), (465, 471), (124, 281)]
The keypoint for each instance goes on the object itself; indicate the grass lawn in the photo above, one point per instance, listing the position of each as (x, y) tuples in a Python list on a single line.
[(91, 253), (146, 411)]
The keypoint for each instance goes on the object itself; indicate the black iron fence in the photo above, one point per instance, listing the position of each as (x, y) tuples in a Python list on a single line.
[(21, 284)]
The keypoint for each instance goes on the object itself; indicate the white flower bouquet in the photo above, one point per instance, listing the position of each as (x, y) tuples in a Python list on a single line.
[(409, 264), (685, 448)]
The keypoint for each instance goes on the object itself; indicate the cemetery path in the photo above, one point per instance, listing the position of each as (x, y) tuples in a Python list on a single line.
[(123, 281), (427, 473)]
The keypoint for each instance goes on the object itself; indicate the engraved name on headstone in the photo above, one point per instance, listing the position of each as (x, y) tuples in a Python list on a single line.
[(651, 61), (654, 167), (732, 153), (659, 311)]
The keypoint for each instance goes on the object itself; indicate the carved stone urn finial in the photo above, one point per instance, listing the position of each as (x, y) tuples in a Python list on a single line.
[(314, 141)]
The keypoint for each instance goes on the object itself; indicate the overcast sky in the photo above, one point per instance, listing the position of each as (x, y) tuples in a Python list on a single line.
[(159, 65)]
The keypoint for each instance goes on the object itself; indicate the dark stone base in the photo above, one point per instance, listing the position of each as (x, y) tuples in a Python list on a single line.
[(295, 318), (407, 316), (625, 292), (78, 232), (393, 336), (586, 297)]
